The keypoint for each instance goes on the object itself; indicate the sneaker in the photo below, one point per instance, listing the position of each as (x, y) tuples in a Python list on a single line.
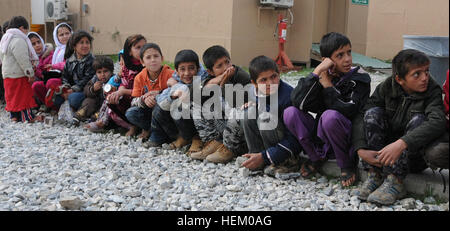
[(390, 191), (222, 155), (373, 181), (209, 148)]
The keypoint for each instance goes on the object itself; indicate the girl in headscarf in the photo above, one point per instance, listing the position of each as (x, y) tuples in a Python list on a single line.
[(45, 54), (61, 35)]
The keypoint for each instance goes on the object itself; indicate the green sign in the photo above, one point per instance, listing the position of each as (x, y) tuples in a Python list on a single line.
[(361, 2)]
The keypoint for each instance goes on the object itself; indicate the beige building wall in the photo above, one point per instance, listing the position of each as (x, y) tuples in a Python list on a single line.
[(172, 24), (10, 8), (389, 20), (320, 26), (357, 26), (252, 37), (337, 16)]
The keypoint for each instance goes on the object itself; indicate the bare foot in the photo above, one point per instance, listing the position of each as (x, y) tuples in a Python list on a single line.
[(144, 135), (346, 182), (132, 131)]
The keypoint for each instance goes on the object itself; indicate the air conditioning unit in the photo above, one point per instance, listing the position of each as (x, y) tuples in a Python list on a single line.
[(55, 9), (277, 3)]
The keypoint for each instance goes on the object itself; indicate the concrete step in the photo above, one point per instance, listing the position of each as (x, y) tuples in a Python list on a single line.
[(415, 183)]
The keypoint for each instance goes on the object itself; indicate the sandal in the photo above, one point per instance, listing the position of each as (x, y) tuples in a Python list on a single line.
[(311, 168), (347, 174)]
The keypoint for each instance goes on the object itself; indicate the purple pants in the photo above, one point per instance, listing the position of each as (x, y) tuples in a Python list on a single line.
[(333, 129)]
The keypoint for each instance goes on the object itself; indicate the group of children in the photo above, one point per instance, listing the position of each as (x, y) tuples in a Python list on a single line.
[(222, 112)]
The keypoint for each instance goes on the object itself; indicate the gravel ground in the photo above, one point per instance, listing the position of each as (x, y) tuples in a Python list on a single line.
[(45, 167)]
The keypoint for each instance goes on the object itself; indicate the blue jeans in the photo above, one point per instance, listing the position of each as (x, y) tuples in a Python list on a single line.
[(76, 99), (140, 117), (166, 129)]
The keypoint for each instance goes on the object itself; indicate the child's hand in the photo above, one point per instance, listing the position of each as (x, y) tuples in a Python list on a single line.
[(171, 82), (150, 101), (114, 97), (98, 85), (176, 94), (229, 72), (48, 67), (370, 157), (391, 153), (248, 104), (324, 66), (255, 161)]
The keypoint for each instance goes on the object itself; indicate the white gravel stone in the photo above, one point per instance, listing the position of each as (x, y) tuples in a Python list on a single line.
[(56, 168), (71, 203)]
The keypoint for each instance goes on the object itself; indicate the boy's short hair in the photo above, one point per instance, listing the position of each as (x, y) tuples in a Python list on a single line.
[(5, 26), (407, 59), (17, 22), (186, 56), (261, 64), (212, 54), (332, 42), (150, 46), (103, 62)]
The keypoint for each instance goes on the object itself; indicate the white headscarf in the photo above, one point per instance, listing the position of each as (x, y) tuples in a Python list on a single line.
[(11, 33), (58, 55), (44, 47)]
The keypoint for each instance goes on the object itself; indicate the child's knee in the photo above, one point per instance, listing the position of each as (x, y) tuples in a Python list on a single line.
[(330, 119), (290, 114)]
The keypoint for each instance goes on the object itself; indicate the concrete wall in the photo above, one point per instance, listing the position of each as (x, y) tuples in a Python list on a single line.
[(389, 20), (10, 8)]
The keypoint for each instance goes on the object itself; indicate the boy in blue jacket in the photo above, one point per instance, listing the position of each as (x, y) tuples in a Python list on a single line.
[(268, 140)]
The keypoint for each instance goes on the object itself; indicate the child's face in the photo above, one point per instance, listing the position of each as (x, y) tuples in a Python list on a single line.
[(37, 45), (187, 71), (267, 82), (342, 57), (121, 62), (152, 60), (136, 49), (103, 74), (416, 80), (83, 47), (63, 34), (220, 66)]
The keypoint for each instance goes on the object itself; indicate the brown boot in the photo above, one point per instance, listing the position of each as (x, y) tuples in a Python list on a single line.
[(180, 142), (222, 155), (209, 148), (196, 145)]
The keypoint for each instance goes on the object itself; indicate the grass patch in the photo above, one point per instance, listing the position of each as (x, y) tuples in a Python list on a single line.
[(170, 64)]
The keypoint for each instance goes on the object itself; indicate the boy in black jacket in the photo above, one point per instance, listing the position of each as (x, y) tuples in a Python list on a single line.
[(336, 92)]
